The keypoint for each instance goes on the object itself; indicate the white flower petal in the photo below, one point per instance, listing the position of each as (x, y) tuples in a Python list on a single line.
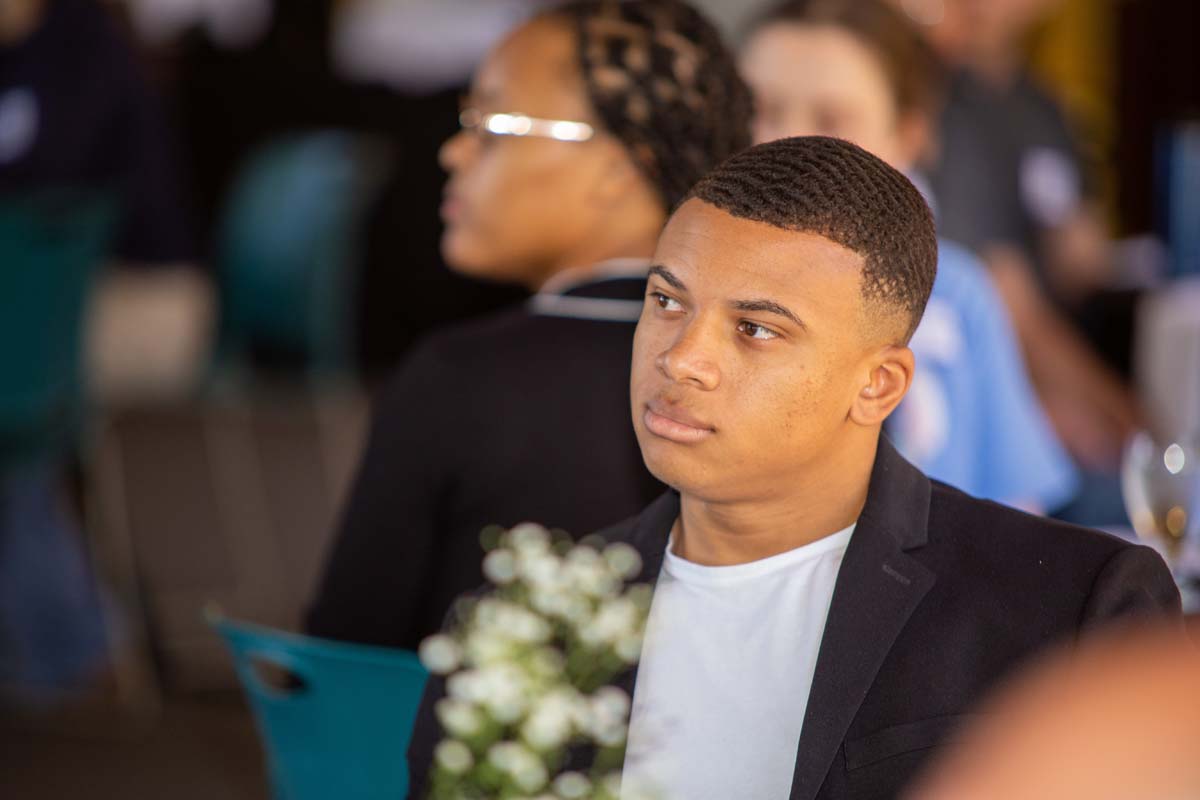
[(531, 776), (459, 718), (572, 786), (610, 734), (629, 648), (529, 536), (454, 756), (546, 729), (500, 566), (623, 559), (525, 767), (611, 701), (440, 654)]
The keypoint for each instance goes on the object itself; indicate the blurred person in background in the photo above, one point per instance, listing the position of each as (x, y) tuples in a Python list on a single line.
[(76, 113), (389, 74), (858, 70), (583, 128), (1002, 131), (1011, 183), (1118, 719), (76, 110)]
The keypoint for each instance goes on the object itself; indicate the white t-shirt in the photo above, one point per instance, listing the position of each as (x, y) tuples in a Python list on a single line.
[(725, 673)]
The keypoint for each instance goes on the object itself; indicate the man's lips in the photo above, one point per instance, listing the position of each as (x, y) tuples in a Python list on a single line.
[(674, 424)]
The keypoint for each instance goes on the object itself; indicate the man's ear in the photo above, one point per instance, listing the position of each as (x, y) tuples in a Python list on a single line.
[(888, 376)]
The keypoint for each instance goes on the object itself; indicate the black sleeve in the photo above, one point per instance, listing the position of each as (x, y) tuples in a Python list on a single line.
[(377, 577), (1135, 582)]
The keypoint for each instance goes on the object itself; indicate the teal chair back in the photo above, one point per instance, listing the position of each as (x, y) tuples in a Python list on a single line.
[(289, 246), (341, 726), (51, 244)]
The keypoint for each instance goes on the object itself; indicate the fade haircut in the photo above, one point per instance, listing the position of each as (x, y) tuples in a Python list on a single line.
[(835, 189), (661, 80)]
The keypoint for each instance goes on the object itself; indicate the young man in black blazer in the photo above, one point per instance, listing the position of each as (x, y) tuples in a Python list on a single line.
[(824, 614)]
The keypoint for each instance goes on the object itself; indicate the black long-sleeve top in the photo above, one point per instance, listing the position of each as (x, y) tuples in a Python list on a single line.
[(519, 416)]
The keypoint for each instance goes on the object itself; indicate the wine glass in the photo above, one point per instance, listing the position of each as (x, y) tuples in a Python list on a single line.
[(1160, 482)]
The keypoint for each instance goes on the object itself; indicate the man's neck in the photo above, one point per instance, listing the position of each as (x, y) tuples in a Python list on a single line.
[(825, 500)]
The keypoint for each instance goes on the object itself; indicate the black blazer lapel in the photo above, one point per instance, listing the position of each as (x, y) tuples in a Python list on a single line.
[(877, 589), (650, 534)]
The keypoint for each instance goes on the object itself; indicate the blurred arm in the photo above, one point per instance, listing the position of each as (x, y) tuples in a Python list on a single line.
[(1118, 719), (379, 572), (1079, 255), (1092, 411)]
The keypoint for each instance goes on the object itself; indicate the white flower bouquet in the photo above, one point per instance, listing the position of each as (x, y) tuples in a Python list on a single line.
[(527, 669)]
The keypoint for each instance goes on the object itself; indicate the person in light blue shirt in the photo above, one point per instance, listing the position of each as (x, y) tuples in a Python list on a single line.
[(971, 417), (857, 70)]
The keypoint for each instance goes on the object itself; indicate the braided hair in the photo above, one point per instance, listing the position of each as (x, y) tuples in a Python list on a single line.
[(661, 80), (835, 189)]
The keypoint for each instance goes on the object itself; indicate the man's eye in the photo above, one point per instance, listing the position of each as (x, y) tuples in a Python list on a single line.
[(666, 303), (756, 331)]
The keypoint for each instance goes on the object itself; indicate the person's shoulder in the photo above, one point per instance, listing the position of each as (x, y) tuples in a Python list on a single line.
[(483, 350), (514, 332), (468, 335), (439, 356), (1038, 568), (478, 341), (988, 527)]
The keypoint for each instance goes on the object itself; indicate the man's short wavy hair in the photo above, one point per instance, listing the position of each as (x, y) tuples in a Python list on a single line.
[(835, 189)]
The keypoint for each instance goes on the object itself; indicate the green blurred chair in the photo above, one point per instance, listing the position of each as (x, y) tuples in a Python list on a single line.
[(55, 624), (338, 723), (51, 245), (289, 246)]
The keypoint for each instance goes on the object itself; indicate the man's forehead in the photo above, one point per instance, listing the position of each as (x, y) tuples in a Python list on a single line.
[(702, 237)]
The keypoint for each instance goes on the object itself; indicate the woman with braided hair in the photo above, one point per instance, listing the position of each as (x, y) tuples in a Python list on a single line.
[(582, 130)]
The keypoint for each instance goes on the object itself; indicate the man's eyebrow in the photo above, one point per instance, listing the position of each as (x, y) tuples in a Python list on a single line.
[(668, 276), (769, 306)]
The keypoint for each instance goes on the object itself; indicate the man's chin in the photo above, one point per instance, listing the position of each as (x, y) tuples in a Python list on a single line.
[(679, 470)]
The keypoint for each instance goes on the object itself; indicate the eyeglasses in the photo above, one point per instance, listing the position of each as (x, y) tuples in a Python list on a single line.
[(515, 124)]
